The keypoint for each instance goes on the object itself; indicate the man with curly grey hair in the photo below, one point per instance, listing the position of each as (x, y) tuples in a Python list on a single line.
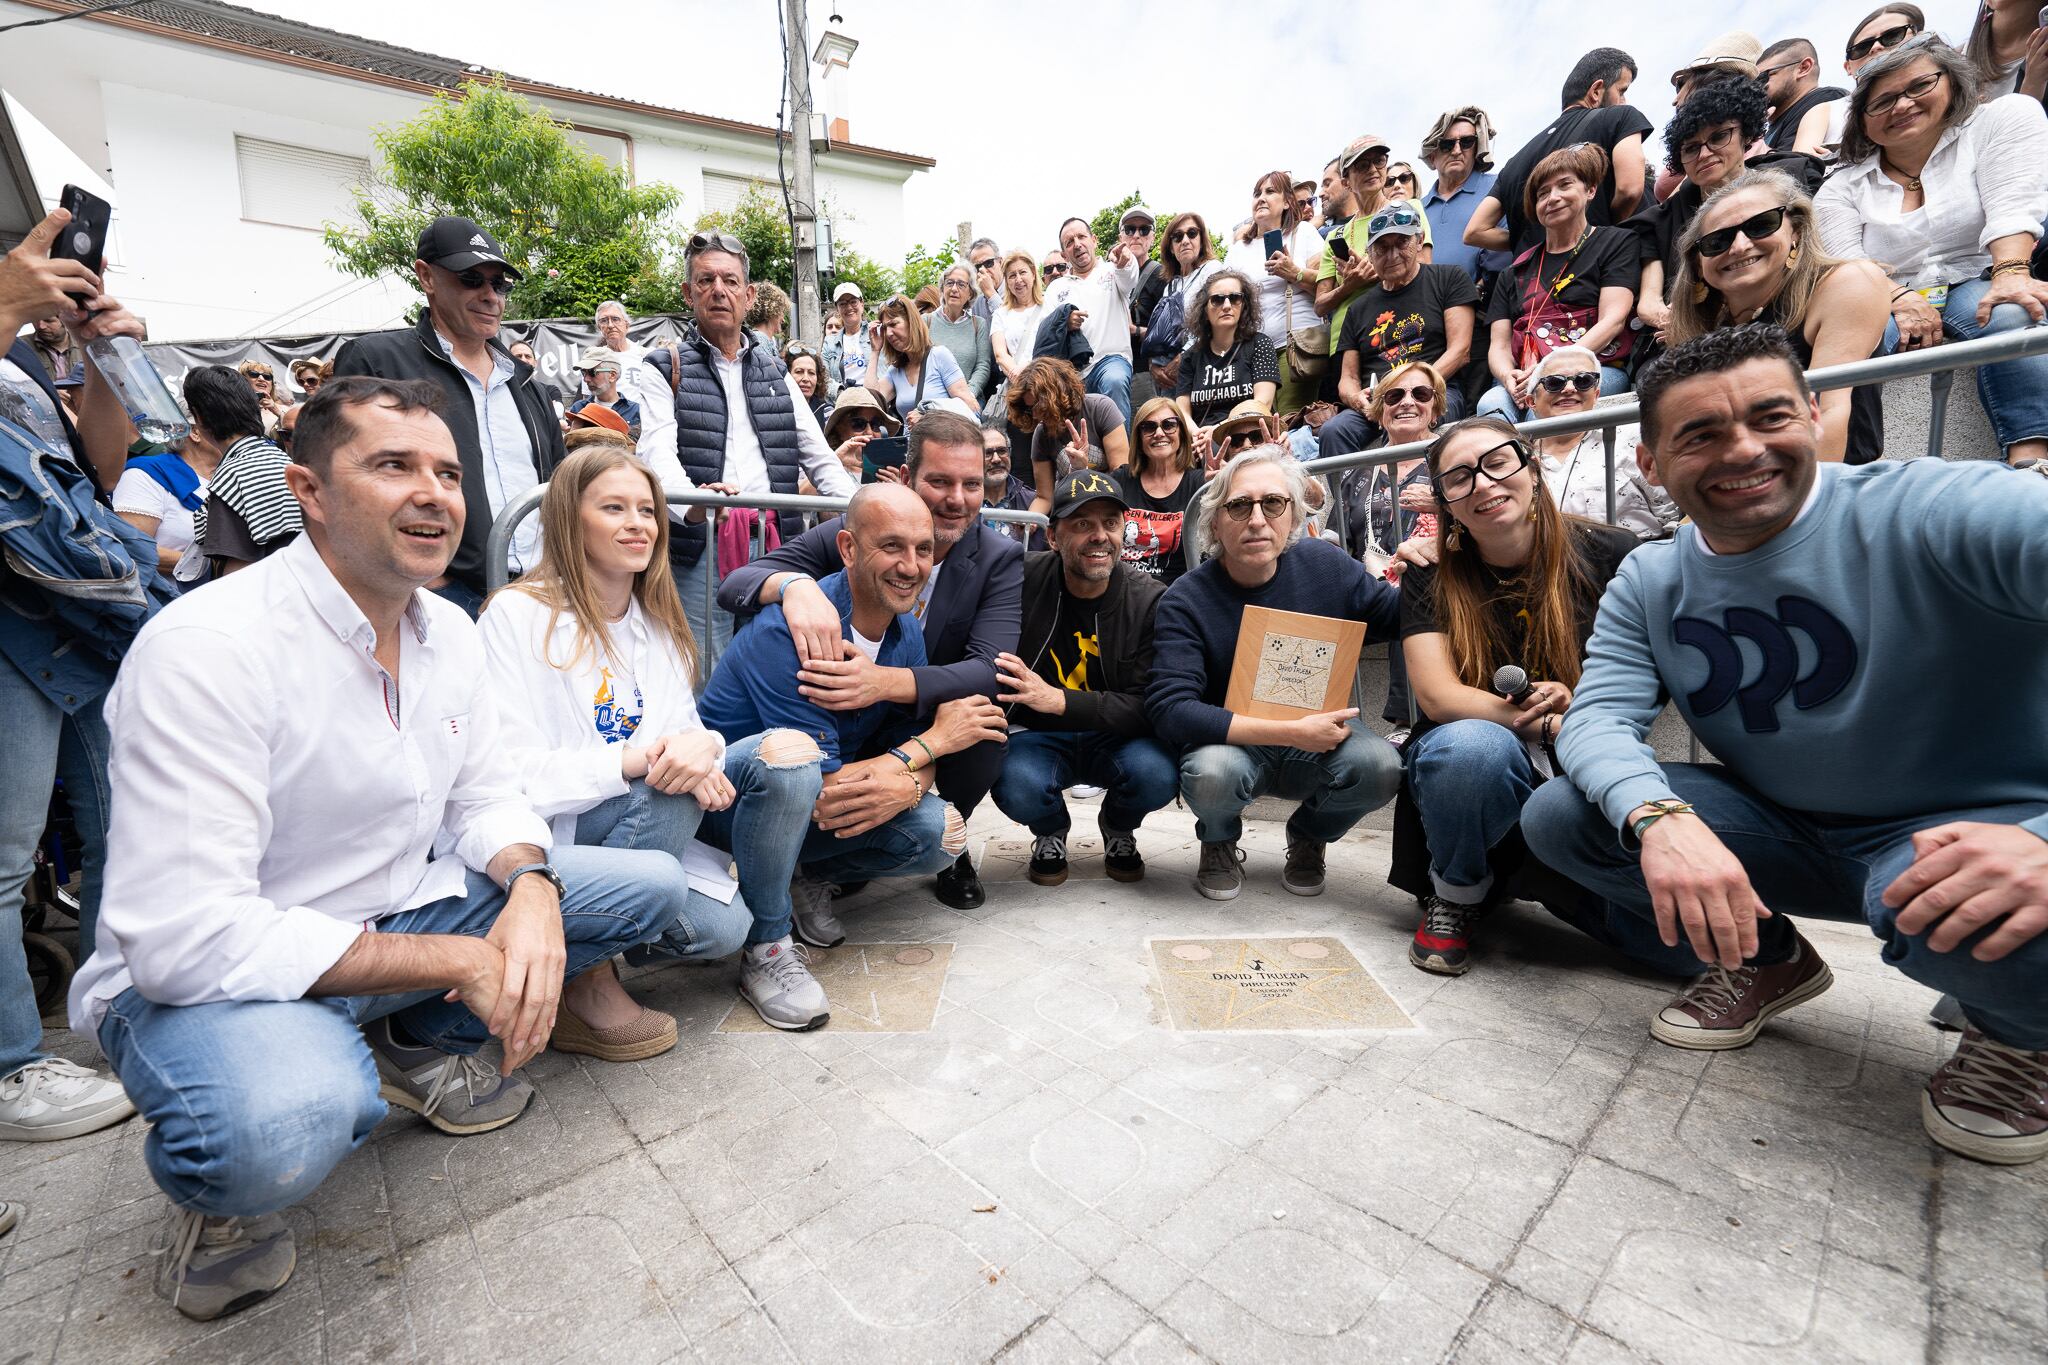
[(1252, 519)]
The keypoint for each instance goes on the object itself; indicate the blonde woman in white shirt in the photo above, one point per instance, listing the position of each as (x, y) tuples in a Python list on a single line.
[(593, 665), (1947, 192)]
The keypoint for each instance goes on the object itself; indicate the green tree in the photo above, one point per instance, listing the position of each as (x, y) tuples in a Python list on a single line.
[(876, 281), (1104, 223), (925, 266), (762, 226), (493, 156)]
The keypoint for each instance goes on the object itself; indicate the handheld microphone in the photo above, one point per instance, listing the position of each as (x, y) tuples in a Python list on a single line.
[(1512, 682)]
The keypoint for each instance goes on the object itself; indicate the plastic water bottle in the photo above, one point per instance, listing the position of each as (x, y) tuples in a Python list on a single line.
[(145, 397)]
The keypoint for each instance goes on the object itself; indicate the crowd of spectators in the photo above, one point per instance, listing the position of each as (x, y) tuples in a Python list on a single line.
[(288, 700)]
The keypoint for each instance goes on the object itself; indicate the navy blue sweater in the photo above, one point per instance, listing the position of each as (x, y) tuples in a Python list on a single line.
[(1195, 634)]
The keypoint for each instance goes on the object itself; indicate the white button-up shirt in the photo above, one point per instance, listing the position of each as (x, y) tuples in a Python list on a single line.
[(745, 467), (510, 461), (1987, 178), (276, 792)]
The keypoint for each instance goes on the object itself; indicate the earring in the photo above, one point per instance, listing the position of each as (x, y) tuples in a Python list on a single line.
[(1451, 537), (1532, 509), (1792, 257), (1699, 291)]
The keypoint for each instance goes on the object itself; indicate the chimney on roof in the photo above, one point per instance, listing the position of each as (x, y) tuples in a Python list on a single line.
[(834, 95)]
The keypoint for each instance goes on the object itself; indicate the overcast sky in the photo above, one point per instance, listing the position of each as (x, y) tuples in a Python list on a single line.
[(1033, 112)]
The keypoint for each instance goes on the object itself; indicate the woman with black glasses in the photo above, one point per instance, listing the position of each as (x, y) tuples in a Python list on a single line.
[(1575, 466), (1752, 255), (1947, 191), (1228, 358), (1158, 486), (1517, 583), (1884, 28)]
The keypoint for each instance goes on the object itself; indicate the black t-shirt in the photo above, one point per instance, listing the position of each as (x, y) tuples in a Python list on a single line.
[(1098, 416), (1214, 384), (1152, 526), (1610, 258), (1604, 128), (1601, 550), (1391, 327), (1073, 652)]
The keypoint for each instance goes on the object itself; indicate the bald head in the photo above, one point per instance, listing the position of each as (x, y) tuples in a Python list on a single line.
[(886, 543)]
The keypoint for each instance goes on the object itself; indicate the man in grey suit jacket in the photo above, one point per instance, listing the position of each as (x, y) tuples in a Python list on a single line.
[(971, 609)]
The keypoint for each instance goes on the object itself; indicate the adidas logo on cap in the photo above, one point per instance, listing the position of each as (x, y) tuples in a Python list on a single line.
[(479, 240)]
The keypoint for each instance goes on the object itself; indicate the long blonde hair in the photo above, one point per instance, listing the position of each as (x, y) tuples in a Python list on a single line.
[(561, 581), (917, 338), (1037, 288), (1698, 308)]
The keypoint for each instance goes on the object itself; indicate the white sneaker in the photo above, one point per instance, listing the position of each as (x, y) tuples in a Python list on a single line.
[(53, 1099), (810, 905), (1081, 791), (775, 981)]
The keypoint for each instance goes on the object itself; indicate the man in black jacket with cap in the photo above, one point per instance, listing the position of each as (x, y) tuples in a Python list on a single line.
[(505, 429), (1077, 686)]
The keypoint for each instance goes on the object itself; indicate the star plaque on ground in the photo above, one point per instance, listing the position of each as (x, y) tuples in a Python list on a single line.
[(871, 988), (1270, 984)]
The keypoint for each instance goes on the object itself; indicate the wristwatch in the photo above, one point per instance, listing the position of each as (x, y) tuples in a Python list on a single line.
[(547, 872)]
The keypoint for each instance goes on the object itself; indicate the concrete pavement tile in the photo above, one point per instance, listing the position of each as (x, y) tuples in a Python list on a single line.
[(1046, 1342), (1989, 1249), (951, 1310), (750, 1337), (1156, 1344), (1100, 1316), (1532, 1328), (1144, 1274)]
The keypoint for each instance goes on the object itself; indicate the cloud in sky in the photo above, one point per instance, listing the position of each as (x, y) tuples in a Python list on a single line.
[(1035, 112)]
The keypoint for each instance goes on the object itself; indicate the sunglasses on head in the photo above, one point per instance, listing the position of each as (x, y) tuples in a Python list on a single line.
[(1890, 37), (1468, 143), (1146, 428), (477, 279), (716, 241), (1558, 383), (1272, 507), (1717, 242), (1421, 393)]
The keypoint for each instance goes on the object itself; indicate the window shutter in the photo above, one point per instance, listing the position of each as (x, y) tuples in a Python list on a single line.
[(723, 192), (296, 186)]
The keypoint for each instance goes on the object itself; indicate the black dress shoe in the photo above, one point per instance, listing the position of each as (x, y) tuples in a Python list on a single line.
[(960, 885)]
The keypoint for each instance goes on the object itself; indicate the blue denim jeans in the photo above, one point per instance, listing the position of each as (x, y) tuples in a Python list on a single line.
[(1111, 377), (705, 617), (1335, 789), (1469, 779), (252, 1102), (911, 845), (2014, 392), (764, 828), (42, 745), (704, 926), (1137, 777), (1802, 865), (1495, 402)]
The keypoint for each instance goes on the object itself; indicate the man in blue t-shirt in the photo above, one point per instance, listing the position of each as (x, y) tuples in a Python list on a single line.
[(1863, 648), (1252, 521)]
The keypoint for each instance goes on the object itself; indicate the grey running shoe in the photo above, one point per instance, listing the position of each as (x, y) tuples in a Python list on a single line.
[(456, 1093), (1303, 874), (211, 1267), (52, 1098), (776, 981), (810, 903), (1220, 875)]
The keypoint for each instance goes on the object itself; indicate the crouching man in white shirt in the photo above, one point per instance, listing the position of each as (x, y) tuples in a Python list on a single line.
[(325, 888)]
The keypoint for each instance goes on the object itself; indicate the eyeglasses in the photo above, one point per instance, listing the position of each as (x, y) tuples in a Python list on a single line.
[(1185, 235), (996, 455), (477, 279), (1917, 92), (1504, 461), (1272, 507), (1226, 300), (1137, 229), (1717, 141), (1717, 242), (1468, 143), (1421, 393), (1891, 37), (956, 283), (1057, 268), (1557, 383), (1162, 424)]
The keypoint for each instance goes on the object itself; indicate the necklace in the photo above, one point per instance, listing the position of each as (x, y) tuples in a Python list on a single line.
[(1912, 182)]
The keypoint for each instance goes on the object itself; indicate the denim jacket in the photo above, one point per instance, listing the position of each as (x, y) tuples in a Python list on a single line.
[(76, 583)]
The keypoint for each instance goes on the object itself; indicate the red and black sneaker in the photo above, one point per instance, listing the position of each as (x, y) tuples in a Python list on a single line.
[(1443, 939), (1990, 1102)]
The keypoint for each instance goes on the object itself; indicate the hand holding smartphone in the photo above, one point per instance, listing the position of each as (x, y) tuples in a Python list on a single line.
[(84, 238), (882, 452)]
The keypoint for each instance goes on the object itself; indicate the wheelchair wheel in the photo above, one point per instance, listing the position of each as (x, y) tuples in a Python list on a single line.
[(49, 970)]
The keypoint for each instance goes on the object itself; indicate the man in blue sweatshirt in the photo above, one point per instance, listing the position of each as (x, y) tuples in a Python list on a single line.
[(1864, 649), (1253, 517), (877, 816)]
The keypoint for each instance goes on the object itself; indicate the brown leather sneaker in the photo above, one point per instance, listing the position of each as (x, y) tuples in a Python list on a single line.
[(1724, 1009), (1303, 874), (1989, 1102)]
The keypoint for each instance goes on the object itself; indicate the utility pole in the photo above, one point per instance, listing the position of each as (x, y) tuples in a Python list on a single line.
[(808, 324)]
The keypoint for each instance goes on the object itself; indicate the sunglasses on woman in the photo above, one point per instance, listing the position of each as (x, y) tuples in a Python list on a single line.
[(861, 426), (1504, 461), (1226, 300), (1167, 424), (1400, 178), (1186, 234), (1890, 38), (1467, 143), (1558, 383), (1420, 393), (1717, 242), (477, 279), (1242, 440), (1272, 507)]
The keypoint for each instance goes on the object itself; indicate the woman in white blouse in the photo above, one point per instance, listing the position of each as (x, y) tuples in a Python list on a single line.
[(1947, 194), (1016, 329), (592, 665), (1286, 281)]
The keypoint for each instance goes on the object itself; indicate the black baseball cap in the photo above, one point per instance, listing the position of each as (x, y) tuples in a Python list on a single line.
[(459, 244), (1070, 494)]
